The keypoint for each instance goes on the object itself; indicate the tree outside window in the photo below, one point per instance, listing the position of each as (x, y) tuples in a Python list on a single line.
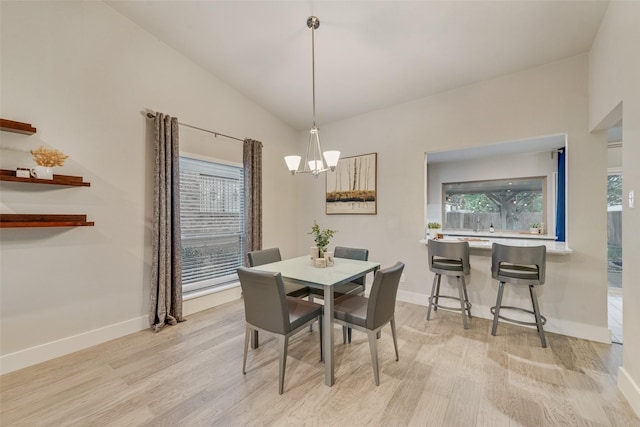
[(508, 205)]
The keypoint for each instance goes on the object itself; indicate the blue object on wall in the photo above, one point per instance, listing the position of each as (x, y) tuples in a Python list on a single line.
[(560, 203)]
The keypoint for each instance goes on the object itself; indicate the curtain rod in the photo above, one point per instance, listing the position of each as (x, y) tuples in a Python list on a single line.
[(216, 134)]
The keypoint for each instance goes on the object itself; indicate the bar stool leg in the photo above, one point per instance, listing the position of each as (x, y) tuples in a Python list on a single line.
[(463, 309), (536, 312), (433, 291), (497, 309), (466, 296), (437, 295)]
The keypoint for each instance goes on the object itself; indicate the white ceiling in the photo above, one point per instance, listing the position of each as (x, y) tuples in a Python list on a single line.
[(369, 54)]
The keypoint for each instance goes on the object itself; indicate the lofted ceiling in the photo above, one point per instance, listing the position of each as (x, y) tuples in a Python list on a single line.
[(369, 54)]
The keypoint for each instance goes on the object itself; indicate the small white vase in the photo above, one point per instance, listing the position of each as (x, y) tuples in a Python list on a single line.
[(42, 172), (433, 232)]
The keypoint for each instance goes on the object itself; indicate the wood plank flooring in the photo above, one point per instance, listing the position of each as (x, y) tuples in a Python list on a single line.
[(191, 375)]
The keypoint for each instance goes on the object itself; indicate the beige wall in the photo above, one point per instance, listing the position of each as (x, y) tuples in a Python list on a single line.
[(548, 100), (614, 69), (82, 74)]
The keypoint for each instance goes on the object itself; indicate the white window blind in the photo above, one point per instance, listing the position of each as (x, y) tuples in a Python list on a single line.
[(211, 221)]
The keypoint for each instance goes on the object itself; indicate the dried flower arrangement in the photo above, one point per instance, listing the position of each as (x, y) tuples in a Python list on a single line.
[(48, 157)]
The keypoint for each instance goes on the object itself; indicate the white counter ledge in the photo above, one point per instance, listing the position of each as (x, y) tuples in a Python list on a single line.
[(553, 247), (499, 234)]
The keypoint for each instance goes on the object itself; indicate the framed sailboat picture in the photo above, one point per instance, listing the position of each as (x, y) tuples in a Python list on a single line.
[(352, 188)]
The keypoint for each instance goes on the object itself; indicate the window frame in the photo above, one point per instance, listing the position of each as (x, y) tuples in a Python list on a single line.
[(231, 280), (545, 201)]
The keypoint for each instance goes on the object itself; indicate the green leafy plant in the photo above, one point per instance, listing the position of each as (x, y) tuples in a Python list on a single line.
[(434, 225), (321, 237), (534, 225)]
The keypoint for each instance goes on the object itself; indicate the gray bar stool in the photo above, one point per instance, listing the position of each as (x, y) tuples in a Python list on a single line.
[(449, 259), (519, 265)]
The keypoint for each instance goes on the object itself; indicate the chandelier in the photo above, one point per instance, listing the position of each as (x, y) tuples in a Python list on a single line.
[(315, 161)]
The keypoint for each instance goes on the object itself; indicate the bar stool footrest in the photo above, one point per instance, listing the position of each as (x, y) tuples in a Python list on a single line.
[(467, 304), (519, 322)]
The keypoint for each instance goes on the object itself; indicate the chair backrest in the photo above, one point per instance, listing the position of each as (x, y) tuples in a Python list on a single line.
[(382, 299), (265, 303), (522, 260), (442, 250), (352, 253), (264, 256)]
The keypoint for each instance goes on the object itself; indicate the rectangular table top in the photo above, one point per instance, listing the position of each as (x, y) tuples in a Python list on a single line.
[(301, 269)]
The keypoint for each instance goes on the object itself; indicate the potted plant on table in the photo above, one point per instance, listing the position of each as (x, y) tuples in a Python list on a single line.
[(434, 228), (321, 237)]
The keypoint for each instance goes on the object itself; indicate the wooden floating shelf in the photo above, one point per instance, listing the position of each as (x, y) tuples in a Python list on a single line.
[(43, 220), (17, 127), (74, 181)]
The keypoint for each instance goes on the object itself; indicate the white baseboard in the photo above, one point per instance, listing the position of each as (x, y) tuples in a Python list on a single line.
[(41, 353), (562, 327), (629, 389)]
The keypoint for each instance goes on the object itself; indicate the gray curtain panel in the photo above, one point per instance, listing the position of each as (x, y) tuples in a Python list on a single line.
[(252, 162), (166, 268)]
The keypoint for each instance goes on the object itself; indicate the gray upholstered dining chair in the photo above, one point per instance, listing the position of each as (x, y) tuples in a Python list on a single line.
[(449, 259), (267, 256), (519, 265), (356, 286), (371, 314), (268, 309)]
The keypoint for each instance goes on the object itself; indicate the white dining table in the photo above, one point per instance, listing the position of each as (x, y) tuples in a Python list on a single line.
[(301, 270)]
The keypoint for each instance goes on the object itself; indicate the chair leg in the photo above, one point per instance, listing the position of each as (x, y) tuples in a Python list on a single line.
[(284, 344), (374, 355), (254, 339), (247, 333), (463, 309), (395, 338), (497, 309), (536, 311), (433, 291), (320, 330), (311, 324), (346, 335)]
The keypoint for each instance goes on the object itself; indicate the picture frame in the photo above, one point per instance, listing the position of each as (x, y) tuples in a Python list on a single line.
[(352, 188)]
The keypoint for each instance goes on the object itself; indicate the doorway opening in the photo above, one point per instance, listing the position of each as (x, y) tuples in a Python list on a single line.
[(614, 233)]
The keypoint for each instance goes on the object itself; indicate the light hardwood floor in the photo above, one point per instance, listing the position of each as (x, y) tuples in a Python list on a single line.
[(191, 375)]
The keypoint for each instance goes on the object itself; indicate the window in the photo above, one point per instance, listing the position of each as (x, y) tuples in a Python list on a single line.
[(507, 204), (614, 229), (212, 222)]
